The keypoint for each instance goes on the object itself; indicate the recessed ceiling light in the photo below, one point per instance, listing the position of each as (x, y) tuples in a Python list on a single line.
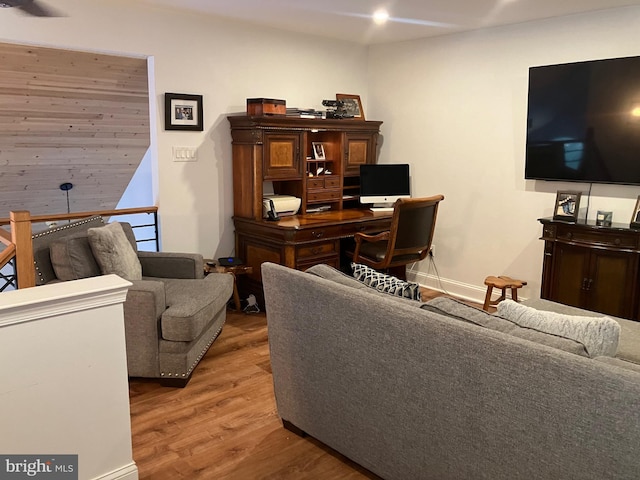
[(380, 16)]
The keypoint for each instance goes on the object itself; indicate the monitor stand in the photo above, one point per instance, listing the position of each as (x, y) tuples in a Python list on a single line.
[(382, 207)]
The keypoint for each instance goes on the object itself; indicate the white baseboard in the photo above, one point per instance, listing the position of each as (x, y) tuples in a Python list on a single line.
[(464, 291), (128, 472)]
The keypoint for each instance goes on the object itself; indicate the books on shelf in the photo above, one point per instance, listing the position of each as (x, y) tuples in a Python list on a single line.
[(305, 113)]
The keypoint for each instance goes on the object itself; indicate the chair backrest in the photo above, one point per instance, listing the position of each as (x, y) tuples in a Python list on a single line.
[(413, 225)]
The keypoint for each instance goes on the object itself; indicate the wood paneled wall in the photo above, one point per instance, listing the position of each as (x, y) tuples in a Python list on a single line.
[(69, 116)]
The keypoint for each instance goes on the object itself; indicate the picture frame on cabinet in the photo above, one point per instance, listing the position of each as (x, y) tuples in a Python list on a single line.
[(635, 218), (183, 111), (352, 106), (318, 151), (567, 206)]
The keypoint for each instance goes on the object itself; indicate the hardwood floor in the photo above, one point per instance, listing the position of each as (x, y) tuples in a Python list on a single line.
[(224, 424)]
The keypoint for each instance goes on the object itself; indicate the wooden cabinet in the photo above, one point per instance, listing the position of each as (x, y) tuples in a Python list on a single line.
[(276, 154), (592, 267), (279, 150)]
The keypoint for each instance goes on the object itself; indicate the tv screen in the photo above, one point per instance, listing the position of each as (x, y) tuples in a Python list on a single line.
[(383, 184), (583, 122)]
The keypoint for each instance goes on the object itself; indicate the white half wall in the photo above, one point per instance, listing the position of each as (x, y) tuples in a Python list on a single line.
[(63, 384), (455, 108)]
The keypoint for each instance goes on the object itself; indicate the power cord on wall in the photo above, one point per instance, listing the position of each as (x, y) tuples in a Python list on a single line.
[(432, 263)]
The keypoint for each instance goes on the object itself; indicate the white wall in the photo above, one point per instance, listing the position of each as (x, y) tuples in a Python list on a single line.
[(226, 62), (454, 107)]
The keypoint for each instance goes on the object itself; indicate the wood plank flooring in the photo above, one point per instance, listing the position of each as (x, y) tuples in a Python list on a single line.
[(224, 424)]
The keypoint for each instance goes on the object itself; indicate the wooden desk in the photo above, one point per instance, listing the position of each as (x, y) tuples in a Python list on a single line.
[(300, 241)]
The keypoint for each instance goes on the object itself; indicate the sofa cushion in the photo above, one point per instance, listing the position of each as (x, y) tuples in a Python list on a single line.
[(43, 240), (461, 311), (113, 252), (599, 335), (192, 304), (330, 273), (72, 258), (386, 283)]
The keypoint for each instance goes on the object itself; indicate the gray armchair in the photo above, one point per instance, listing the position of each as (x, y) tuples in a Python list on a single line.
[(172, 314)]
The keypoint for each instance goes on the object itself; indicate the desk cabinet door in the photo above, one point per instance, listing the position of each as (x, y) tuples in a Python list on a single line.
[(359, 149), (282, 156)]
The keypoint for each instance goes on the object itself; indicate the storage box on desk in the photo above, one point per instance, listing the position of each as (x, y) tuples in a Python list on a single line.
[(266, 106)]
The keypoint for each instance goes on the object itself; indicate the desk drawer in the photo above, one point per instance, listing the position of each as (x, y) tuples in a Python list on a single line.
[(319, 233), (317, 249), (315, 183), (324, 195), (321, 182), (333, 261)]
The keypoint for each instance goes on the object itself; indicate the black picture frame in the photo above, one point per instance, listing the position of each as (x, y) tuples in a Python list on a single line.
[(567, 206), (183, 111), (635, 218)]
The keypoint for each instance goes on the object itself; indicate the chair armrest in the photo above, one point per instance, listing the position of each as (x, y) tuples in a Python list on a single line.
[(359, 237), (378, 237), (143, 307), (172, 265)]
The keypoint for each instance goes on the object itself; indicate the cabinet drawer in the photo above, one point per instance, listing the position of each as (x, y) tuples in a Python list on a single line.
[(324, 195), (315, 183), (331, 182), (317, 249), (319, 183), (604, 239)]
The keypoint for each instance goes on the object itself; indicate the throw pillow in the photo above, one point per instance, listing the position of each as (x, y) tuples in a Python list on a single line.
[(113, 252), (599, 335), (386, 283), (72, 258)]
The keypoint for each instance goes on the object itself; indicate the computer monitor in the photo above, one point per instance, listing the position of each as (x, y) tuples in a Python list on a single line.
[(382, 184)]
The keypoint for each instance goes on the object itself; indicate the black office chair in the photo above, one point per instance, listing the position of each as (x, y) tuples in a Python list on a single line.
[(407, 241)]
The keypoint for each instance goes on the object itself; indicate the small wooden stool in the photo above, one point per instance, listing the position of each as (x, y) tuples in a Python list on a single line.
[(502, 283)]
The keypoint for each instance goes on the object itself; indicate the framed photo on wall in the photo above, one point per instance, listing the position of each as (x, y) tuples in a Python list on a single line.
[(352, 105), (567, 206), (635, 218), (183, 112)]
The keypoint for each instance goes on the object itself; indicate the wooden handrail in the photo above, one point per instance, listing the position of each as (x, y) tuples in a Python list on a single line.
[(7, 254), (5, 237), (19, 241), (72, 216)]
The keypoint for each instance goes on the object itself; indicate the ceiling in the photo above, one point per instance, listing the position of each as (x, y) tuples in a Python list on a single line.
[(408, 19)]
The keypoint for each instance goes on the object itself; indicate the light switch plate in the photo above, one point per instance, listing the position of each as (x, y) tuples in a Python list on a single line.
[(185, 154)]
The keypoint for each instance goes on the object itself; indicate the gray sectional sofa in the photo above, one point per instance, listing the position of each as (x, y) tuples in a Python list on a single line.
[(416, 391)]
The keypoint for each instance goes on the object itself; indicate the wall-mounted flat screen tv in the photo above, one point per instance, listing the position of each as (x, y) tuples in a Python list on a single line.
[(583, 122)]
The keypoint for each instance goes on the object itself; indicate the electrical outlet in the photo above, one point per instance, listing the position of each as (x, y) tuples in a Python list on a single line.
[(432, 251)]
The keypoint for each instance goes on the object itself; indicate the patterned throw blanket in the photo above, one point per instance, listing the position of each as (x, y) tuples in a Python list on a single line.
[(599, 335)]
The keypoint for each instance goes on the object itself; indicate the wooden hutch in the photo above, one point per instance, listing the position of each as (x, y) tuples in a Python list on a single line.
[(277, 152), (592, 267)]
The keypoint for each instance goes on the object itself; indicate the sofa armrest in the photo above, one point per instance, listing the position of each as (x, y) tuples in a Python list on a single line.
[(171, 265), (143, 307)]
